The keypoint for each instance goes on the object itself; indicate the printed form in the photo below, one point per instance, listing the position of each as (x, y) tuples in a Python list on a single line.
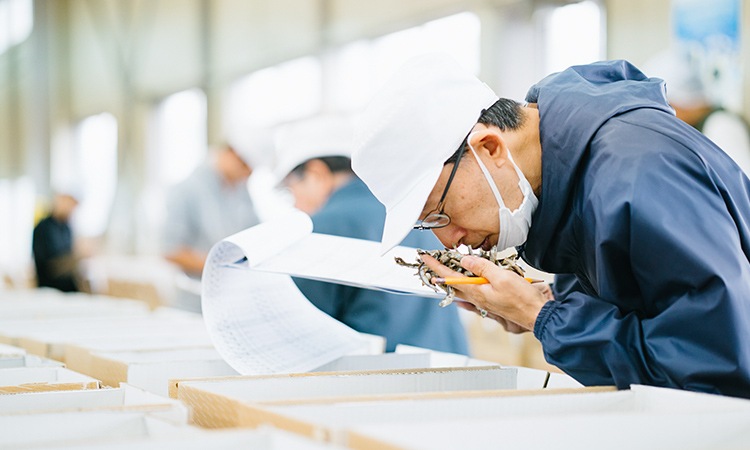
[(257, 318)]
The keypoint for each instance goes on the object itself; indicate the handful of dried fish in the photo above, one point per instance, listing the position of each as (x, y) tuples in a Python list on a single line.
[(451, 258)]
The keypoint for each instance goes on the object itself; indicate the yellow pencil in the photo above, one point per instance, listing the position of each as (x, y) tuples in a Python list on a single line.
[(470, 280)]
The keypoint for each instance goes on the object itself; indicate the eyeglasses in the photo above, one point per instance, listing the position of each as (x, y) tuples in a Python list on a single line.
[(437, 218)]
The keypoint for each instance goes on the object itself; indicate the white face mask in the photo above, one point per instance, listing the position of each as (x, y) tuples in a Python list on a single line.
[(514, 225)]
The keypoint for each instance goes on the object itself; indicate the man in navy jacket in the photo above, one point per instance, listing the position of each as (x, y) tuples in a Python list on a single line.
[(594, 178)]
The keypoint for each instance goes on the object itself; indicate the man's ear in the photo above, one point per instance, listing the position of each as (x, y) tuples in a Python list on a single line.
[(491, 143)]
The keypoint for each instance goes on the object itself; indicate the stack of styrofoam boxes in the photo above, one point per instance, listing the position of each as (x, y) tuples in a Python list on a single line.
[(80, 415), (234, 401), (126, 343), (412, 399), (46, 405), (476, 407), (49, 303), (641, 417)]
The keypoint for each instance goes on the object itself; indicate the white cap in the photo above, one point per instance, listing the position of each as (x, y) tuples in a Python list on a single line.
[(415, 123), (316, 137)]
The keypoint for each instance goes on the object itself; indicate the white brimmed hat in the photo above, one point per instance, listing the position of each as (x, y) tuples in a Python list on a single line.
[(415, 123), (317, 137)]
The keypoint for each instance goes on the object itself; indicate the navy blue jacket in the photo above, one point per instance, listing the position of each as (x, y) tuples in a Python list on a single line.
[(352, 211), (653, 222)]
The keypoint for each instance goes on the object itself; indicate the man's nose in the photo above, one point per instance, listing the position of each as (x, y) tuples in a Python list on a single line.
[(449, 236)]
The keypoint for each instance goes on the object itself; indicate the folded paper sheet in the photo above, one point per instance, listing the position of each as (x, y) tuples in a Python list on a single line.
[(288, 246), (257, 318)]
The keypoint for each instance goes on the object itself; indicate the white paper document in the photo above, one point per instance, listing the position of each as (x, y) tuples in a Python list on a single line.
[(289, 246), (257, 318)]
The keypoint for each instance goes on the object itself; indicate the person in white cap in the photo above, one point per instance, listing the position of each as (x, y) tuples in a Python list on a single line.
[(596, 178), (314, 164), (212, 203), (689, 93)]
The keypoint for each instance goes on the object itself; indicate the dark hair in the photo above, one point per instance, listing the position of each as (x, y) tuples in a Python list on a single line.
[(504, 114), (334, 163)]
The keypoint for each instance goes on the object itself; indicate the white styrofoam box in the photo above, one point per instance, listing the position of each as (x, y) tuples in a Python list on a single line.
[(11, 351), (27, 430), (29, 361), (377, 362), (263, 438), (342, 384), (335, 418), (528, 378), (48, 338), (78, 352), (724, 430), (31, 379), (152, 370), (217, 403), (12, 356), (375, 345), (439, 359), (167, 312), (40, 304), (38, 361), (562, 381), (125, 397), (341, 412), (18, 361)]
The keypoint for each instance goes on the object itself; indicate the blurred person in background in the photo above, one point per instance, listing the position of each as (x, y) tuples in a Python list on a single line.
[(314, 165), (689, 93), (211, 204), (52, 243)]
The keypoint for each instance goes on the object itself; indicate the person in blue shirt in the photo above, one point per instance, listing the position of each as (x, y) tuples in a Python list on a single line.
[(212, 203), (595, 178), (314, 165)]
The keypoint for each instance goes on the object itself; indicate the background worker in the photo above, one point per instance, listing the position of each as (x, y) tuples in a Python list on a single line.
[(52, 243), (594, 177), (314, 164), (211, 204)]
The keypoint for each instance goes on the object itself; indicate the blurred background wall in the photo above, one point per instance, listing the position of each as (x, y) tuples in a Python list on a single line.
[(117, 100)]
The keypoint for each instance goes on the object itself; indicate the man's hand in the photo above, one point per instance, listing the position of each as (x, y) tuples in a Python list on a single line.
[(508, 298)]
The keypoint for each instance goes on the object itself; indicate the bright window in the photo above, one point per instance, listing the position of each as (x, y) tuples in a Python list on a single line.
[(16, 22), (17, 223), (572, 35), (95, 169), (280, 93), (358, 69), (180, 142)]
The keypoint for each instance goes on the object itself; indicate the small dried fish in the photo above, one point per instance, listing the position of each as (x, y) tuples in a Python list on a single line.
[(451, 258)]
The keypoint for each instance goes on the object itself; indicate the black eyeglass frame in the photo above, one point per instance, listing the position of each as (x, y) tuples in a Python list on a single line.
[(437, 218)]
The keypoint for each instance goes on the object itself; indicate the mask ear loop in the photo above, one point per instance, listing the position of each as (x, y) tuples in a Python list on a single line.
[(486, 172)]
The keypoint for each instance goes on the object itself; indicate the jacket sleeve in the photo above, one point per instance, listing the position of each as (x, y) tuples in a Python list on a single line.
[(668, 286)]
